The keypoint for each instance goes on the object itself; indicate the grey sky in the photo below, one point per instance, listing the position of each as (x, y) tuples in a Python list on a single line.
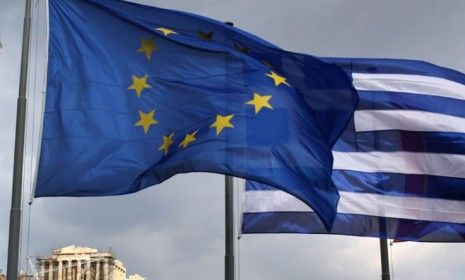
[(175, 230)]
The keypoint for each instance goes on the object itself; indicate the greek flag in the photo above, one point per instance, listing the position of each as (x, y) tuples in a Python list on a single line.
[(399, 166)]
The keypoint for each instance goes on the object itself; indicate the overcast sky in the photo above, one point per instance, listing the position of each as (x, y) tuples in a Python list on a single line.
[(176, 230)]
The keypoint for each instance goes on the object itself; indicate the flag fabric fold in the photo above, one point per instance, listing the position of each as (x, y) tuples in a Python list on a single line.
[(399, 166), (137, 94)]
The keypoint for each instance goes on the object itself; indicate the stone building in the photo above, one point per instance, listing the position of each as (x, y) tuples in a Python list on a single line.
[(81, 263), (136, 277), (20, 277)]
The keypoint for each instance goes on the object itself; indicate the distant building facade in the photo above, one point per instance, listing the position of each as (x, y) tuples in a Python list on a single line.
[(81, 263), (20, 277), (136, 277)]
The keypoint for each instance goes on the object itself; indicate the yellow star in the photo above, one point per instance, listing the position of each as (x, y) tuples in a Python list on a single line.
[(148, 46), (260, 101), (241, 48), (207, 36), (190, 137), (222, 122), (166, 31), (167, 142), (277, 79), (146, 120), (267, 64), (139, 84)]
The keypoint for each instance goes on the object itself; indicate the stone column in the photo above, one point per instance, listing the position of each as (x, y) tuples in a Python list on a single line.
[(69, 270), (78, 270), (51, 269), (60, 270), (47, 267), (42, 270), (97, 270), (88, 268), (106, 269), (55, 269)]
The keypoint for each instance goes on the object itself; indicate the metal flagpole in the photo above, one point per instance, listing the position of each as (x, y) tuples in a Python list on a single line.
[(229, 229), (229, 261), (385, 275), (15, 212), (384, 251)]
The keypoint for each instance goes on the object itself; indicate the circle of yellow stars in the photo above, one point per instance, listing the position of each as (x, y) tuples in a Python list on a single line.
[(147, 120)]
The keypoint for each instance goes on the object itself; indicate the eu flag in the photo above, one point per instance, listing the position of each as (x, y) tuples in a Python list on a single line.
[(137, 94)]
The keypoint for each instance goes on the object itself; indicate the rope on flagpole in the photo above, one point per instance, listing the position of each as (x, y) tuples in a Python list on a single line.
[(29, 132), (32, 128)]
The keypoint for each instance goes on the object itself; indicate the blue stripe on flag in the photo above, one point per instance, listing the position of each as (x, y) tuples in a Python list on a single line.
[(382, 100), (397, 140), (390, 184), (357, 225), (396, 66), (399, 184)]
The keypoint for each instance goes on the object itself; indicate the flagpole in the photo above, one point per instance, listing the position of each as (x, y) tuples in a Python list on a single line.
[(229, 229), (383, 248), (15, 212), (385, 275), (229, 261)]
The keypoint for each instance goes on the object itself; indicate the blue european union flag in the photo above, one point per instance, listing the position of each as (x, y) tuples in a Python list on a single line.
[(137, 94)]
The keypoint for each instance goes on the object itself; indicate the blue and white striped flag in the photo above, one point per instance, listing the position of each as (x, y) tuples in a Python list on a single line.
[(399, 166)]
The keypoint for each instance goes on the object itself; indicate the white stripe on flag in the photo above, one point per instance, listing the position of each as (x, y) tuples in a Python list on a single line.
[(401, 207), (425, 85), (375, 120), (448, 165)]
